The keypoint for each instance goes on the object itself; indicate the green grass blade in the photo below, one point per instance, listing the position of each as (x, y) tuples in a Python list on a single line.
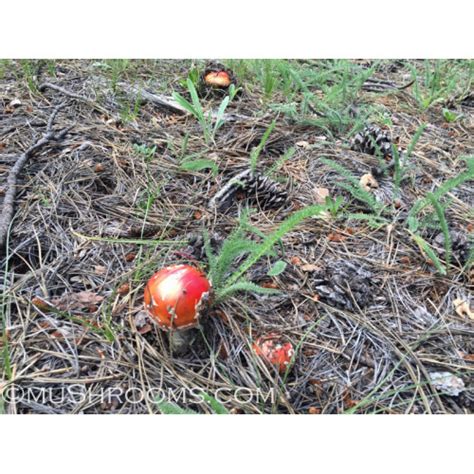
[(256, 152), (425, 247)]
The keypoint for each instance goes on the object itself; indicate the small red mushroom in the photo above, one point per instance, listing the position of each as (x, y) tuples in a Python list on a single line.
[(275, 351), (218, 79), (174, 296)]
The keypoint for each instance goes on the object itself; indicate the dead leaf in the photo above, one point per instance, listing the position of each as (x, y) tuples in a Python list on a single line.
[(15, 103), (41, 304), (100, 270), (87, 297), (447, 383), (130, 256), (145, 329), (347, 400), (296, 261), (321, 195), (303, 144), (123, 289), (368, 182), (462, 308), (78, 301), (269, 284), (336, 237), (309, 267), (44, 324)]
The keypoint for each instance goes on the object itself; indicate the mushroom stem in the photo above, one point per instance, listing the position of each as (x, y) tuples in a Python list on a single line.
[(180, 340)]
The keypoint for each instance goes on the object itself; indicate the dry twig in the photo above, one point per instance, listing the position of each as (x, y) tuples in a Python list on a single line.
[(8, 203)]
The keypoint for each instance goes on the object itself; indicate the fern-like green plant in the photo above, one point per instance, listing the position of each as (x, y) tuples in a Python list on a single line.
[(237, 246), (415, 224), (443, 223), (352, 185), (446, 187)]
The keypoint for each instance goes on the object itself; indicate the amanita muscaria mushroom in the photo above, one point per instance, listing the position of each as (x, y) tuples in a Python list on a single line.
[(275, 351), (175, 295), (217, 76), (220, 79)]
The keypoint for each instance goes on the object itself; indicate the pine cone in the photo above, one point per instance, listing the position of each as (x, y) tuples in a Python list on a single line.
[(460, 246), (342, 281), (372, 140), (253, 187)]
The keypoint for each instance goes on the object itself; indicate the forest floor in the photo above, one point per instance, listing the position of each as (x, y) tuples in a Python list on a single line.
[(376, 290)]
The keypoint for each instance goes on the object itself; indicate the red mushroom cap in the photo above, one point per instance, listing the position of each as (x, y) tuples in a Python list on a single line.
[(218, 79), (174, 296), (275, 351)]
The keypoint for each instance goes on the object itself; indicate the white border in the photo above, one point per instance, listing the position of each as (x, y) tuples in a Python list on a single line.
[(243, 29), (178, 29), (243, 444)]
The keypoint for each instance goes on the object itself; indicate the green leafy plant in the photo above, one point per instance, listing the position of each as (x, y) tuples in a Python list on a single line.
[(193, 75), (225, 277), (199, 165), (399, 171), (209, 123), (450, 116), (436, 80), (278, 267), (129, 109), (352, 185), (29, 70), (415, 224), (334, 205), (116, 69), (148, 152)]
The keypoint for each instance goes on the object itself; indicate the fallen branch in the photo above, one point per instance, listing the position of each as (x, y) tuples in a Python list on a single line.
[(8, 203), (72, 95), (166, 102), (142, 95)]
